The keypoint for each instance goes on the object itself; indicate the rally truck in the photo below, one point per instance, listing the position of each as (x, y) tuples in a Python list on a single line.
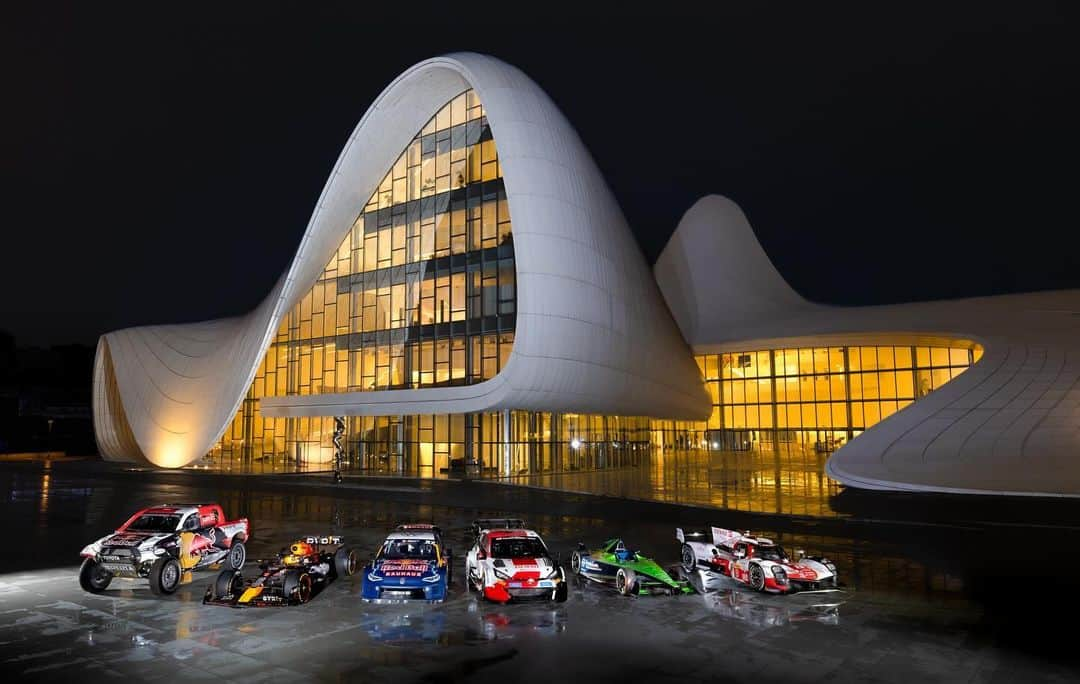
[(163, 544)]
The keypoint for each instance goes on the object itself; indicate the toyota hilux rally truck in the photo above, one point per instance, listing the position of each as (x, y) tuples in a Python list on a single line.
[(754, 561), (163, 544), (510, 562)]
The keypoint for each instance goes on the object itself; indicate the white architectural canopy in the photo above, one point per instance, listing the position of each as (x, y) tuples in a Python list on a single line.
[(1008, 425), (592, 332)]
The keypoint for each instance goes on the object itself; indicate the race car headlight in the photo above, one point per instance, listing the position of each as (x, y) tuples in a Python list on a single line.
[(373, 577), (159, 551), (432, 578), (500, 574), (779, 573)]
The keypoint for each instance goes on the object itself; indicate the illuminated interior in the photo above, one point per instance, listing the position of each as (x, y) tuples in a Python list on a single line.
[(422, 293)]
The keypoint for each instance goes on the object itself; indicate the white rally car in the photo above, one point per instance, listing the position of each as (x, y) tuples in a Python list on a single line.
[(754, 561), (509, 562)]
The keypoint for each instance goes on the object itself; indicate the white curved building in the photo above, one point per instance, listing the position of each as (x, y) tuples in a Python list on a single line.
[(467, 291)]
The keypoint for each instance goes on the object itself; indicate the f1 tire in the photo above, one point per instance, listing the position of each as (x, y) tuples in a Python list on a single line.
[(346, 561), (689, 558), (626, 582), (297, 586), (757, 577), (227, 583), (92, 577), (165, 576), (237, 555), (575, 562)]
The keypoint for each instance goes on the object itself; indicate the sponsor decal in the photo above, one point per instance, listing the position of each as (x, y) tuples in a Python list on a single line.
[(403, 568)]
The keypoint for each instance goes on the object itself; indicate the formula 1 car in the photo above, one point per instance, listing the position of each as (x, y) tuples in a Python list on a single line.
[(629, 571), (754, 561), (163, 544), (411, 565), (509, 562), (293, 577)]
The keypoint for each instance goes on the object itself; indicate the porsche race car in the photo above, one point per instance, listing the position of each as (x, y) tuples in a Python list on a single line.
[(293, 577), (163, 544), (754, 561), (509, 562), (412, 565), (631, 573)]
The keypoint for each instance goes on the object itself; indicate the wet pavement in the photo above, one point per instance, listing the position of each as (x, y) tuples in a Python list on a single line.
[(946, 599)]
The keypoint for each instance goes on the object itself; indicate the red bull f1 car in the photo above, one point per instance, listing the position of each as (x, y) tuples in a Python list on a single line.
[(293, 577), (163, 544), (509, 562), (754, 561), (412, 565)]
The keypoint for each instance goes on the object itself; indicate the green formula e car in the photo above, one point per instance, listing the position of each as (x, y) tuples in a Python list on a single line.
[(630, 572)]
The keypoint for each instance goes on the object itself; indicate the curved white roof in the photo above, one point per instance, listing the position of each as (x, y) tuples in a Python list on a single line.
[(1008, 425), (592, 336)]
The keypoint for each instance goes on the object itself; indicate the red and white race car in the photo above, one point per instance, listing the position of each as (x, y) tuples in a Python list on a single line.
[(754, 561), (163, 544), (509, 562)]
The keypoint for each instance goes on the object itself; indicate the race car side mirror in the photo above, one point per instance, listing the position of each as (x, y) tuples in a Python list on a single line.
[(480, 555)]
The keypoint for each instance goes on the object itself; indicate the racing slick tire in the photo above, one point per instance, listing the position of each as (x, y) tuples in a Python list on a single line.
[(297, 586), (626, 582), (227, 582), (757, 577), (237, 555), (688, 559), (165, 576), (575, 562), (94, 578), (346, 561)]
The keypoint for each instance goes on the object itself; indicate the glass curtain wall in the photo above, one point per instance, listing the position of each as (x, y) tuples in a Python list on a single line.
[(814, 397)]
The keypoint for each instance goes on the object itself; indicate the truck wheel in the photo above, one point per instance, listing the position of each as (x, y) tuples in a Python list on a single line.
[(757, 577), (165, 576), (346, 561), (92, 577), (237, 555), (228, 583), (626, 582), (689, 558)]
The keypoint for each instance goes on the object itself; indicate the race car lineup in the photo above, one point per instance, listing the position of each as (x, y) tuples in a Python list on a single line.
[(507, 562)]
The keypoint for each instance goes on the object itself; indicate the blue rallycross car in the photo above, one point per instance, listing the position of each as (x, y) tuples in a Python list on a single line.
[(412, 565)]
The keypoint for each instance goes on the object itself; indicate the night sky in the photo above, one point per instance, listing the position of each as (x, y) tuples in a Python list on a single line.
[(161, 168)]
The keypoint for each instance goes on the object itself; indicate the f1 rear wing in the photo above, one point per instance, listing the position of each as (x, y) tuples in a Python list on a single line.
[(324, 539)]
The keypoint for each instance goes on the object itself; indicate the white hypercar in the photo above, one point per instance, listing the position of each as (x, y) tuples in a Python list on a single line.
[(509, 562), (755, 561)]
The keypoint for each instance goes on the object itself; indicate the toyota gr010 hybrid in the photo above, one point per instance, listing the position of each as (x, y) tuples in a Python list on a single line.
[(292, 577), (754, 561), (508, 562), (411, 565), (162, 544), (631, 573)]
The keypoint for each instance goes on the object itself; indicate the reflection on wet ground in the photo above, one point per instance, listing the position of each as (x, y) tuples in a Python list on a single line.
[(927, 602), (789, 479)]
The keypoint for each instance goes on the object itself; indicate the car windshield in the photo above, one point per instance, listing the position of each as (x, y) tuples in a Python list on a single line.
[(154, 522), (517, 548), (770, 553), (397, 549)]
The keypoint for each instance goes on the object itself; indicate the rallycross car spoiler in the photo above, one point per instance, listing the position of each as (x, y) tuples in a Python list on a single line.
[(497, 524)]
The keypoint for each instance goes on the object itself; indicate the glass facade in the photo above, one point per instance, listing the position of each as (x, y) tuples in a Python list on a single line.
[(422, 293), (819, 397)]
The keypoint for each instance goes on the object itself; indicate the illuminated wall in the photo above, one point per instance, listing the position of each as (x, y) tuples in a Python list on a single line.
[(821, 396)]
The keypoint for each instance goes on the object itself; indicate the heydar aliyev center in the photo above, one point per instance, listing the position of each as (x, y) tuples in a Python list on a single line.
[(467, 293)]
